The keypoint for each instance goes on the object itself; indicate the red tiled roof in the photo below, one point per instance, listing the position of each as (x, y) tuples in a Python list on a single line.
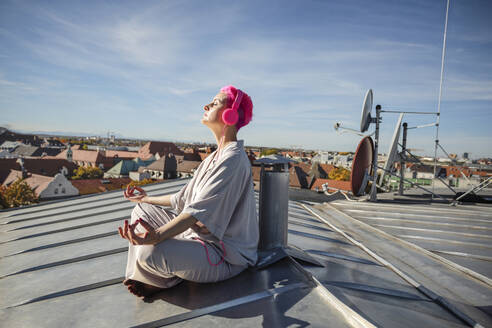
[(154, 147), (37, 182), (121, 154), (192, 157), (306, 168), (187, 166), (298, 178), (164, 164), (92, 157), (327, 168), (343, 185), (44, 166), (91, 186)]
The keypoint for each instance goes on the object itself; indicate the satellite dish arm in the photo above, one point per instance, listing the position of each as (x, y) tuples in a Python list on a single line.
[(338, 127)]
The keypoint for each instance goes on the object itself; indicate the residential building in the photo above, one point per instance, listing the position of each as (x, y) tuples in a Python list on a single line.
[(40, 166), (34, 151), (298, 178), (186, 168), (27, 139), (323, 157), (342, 161), (4, 154), (45, 187), (157, 147), (125, 166), (52, 143), (121, 154), (139, 175), (10, 145), (89, 158), (163, 168)]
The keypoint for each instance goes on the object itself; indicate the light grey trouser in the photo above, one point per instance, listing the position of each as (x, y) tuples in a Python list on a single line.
[(169, 262)]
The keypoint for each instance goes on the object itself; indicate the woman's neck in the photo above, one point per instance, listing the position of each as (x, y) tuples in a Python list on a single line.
[(230, 135)]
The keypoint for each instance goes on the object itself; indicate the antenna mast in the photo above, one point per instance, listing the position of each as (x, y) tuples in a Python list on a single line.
[(440, 94)]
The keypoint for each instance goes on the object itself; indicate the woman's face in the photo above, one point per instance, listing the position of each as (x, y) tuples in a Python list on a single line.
[(213, 111)]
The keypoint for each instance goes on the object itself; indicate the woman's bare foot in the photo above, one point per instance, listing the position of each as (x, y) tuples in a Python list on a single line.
[(140, 289)]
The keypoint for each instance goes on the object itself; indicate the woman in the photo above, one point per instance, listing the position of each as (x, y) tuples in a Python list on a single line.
[(212, 232)]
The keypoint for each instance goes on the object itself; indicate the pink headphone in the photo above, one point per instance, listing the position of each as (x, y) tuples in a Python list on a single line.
[(230, 116)]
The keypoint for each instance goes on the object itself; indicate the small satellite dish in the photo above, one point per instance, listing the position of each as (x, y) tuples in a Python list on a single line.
[(365, 118), (392, 151), (361, 166)]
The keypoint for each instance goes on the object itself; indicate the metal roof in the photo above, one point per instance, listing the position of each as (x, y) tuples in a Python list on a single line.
[(62, 263)]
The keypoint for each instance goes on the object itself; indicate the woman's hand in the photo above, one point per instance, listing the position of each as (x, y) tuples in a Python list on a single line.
[(200, 228), (151, 237), (129, 194)]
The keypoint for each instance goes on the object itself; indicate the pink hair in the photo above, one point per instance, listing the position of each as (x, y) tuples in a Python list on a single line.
[(245, 109)]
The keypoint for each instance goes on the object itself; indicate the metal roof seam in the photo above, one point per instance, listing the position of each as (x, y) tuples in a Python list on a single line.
[(452, 265), (65, 229), (273, 292), (458, 313), (78, 198), (68, 261), (352, 317), (65, 292), (76, 210), (63, 243)]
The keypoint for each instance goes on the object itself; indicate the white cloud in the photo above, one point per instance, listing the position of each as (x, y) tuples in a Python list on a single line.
[(165, 61)]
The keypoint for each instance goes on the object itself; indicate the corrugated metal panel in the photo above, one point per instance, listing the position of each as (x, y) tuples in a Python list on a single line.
[(62, 264)]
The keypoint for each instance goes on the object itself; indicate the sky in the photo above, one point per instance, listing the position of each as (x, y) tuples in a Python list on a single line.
[(144, 69)]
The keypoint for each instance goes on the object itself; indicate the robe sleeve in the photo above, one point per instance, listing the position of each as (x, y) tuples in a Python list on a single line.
[(216, 201), (178, 199)]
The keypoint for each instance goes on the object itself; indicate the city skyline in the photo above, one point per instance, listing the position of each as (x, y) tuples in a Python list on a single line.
[(146, 72)]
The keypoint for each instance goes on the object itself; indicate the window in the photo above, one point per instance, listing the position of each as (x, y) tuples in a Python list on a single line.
[(63, 190), (56, 191)]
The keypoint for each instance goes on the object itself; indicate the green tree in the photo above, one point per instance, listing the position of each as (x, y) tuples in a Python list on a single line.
[(139, 183), (17, 194), (339, 173), (3, 200), (87, 172), (266, 152)]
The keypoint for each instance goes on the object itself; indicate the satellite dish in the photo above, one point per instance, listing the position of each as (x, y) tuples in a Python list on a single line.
[(365, 118), (392, 151), (361, 166)]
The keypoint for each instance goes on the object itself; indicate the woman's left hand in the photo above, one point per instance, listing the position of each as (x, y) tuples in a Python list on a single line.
[(151, 237)]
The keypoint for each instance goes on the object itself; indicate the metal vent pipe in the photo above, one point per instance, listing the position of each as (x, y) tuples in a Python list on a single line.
[(273, 208)]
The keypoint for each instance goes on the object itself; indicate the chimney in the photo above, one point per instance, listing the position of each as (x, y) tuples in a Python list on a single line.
[(23, 170), (274, 212)]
